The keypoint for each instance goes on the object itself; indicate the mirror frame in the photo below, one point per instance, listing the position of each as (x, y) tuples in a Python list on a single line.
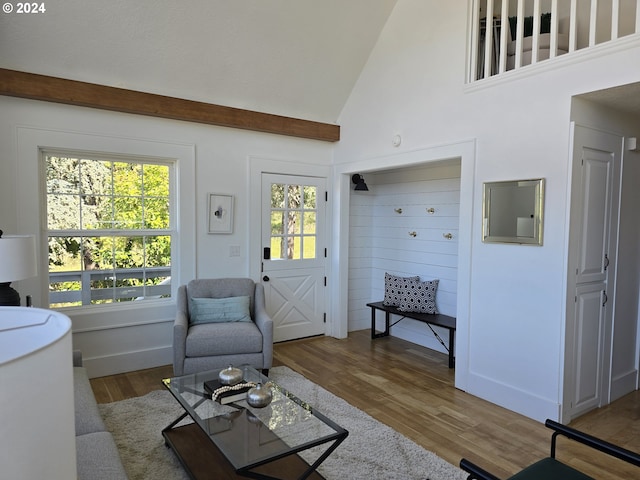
[(537, 208)]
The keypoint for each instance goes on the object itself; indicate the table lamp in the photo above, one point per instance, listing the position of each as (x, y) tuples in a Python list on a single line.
[(37, 417), (17, 261)]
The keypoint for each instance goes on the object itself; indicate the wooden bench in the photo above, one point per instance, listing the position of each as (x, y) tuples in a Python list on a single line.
[(436, 319)]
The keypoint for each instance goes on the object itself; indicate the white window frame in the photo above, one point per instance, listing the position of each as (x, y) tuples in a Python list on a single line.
[(30, 141), (85, 276)]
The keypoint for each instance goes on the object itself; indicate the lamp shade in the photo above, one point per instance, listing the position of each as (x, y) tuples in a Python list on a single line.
[(37, 419), (17, 257)]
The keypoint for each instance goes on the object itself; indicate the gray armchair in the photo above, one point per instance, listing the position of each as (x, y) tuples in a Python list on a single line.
[(206, 346)]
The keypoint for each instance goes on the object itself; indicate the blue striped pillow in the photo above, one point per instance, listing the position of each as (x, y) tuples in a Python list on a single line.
[(218, 310)]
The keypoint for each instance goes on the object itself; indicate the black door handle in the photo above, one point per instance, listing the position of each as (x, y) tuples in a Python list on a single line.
[(265, 278)]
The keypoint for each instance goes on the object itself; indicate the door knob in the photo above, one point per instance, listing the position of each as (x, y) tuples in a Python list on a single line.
[(265, 278)]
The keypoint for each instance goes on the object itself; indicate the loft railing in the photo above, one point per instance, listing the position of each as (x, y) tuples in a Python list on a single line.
[(525, 32)]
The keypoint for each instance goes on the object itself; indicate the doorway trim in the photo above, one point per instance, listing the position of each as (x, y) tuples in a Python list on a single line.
[(465, 151)]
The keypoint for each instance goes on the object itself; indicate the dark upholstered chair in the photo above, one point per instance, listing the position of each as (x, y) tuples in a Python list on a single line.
[(218, 344), (551, 469)]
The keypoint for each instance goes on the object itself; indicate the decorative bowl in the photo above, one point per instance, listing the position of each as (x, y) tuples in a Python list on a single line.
[(259, 396), (230, 375)]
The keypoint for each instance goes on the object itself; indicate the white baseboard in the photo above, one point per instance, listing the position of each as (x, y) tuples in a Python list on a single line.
[(128, 361), (513, 399), (359, 324), (623, 384)]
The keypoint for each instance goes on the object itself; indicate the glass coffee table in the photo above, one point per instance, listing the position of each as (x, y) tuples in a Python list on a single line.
[(236, 440)]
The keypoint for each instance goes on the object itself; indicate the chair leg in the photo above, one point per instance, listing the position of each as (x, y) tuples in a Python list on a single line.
[(265, 372)]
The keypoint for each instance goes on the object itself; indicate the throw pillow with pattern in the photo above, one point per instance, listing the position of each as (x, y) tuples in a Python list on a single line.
[(394, 287), (419, 297)]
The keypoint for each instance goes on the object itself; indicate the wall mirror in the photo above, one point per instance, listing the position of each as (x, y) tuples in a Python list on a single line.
[(512, 212)]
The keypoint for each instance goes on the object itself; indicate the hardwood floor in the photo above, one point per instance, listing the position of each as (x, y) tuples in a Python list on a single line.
[(410, 388)]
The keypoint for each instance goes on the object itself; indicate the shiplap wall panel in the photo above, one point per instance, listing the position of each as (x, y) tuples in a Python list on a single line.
[(380, 241)]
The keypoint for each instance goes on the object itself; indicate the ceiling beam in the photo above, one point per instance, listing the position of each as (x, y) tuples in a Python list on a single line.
[(71, 92)]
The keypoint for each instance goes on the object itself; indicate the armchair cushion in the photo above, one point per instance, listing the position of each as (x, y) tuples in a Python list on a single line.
[(223, 339), (212, 310)]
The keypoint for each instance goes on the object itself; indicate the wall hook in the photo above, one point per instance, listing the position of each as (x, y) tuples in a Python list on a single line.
[(431, 210), (413, 234), (448, 236), (398, 210)]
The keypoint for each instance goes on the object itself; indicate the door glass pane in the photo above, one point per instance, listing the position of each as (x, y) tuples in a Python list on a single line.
[(277, 223), (277, 195), (310, 197), (309, 226), (309, 247), (294, 223), (293, 196), (293, 214), (294, 248), (277, 252), (291, 248)]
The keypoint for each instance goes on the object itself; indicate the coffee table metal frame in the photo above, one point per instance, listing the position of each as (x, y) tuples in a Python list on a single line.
[(193, 385)]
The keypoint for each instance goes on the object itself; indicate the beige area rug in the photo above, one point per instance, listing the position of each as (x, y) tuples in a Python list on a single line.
[(371, 451)]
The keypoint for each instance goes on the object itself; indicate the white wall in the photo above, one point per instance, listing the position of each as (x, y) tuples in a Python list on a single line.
[(379, 242), (133, 338), (414, 85)]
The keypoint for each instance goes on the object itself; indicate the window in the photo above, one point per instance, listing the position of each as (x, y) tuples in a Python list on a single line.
[(293, 221), (109, 229)]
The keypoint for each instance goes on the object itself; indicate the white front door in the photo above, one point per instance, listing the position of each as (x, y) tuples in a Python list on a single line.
[(294, 254), (594, 208)]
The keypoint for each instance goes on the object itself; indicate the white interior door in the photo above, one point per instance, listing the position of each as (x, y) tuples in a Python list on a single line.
[(595, 204), (294, 254)]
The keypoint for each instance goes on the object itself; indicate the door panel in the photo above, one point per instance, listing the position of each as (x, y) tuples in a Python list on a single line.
[(596, 194), (588, 332), (295, 303), (293, 264)]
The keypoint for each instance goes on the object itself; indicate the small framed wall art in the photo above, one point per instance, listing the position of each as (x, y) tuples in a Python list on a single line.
[(220, 213)]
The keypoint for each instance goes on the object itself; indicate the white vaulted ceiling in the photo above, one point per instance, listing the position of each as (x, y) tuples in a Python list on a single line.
[(297, 58)]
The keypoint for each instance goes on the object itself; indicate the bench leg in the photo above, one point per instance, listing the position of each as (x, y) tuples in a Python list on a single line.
[(452, 359), (373, 325), (387, 317)]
